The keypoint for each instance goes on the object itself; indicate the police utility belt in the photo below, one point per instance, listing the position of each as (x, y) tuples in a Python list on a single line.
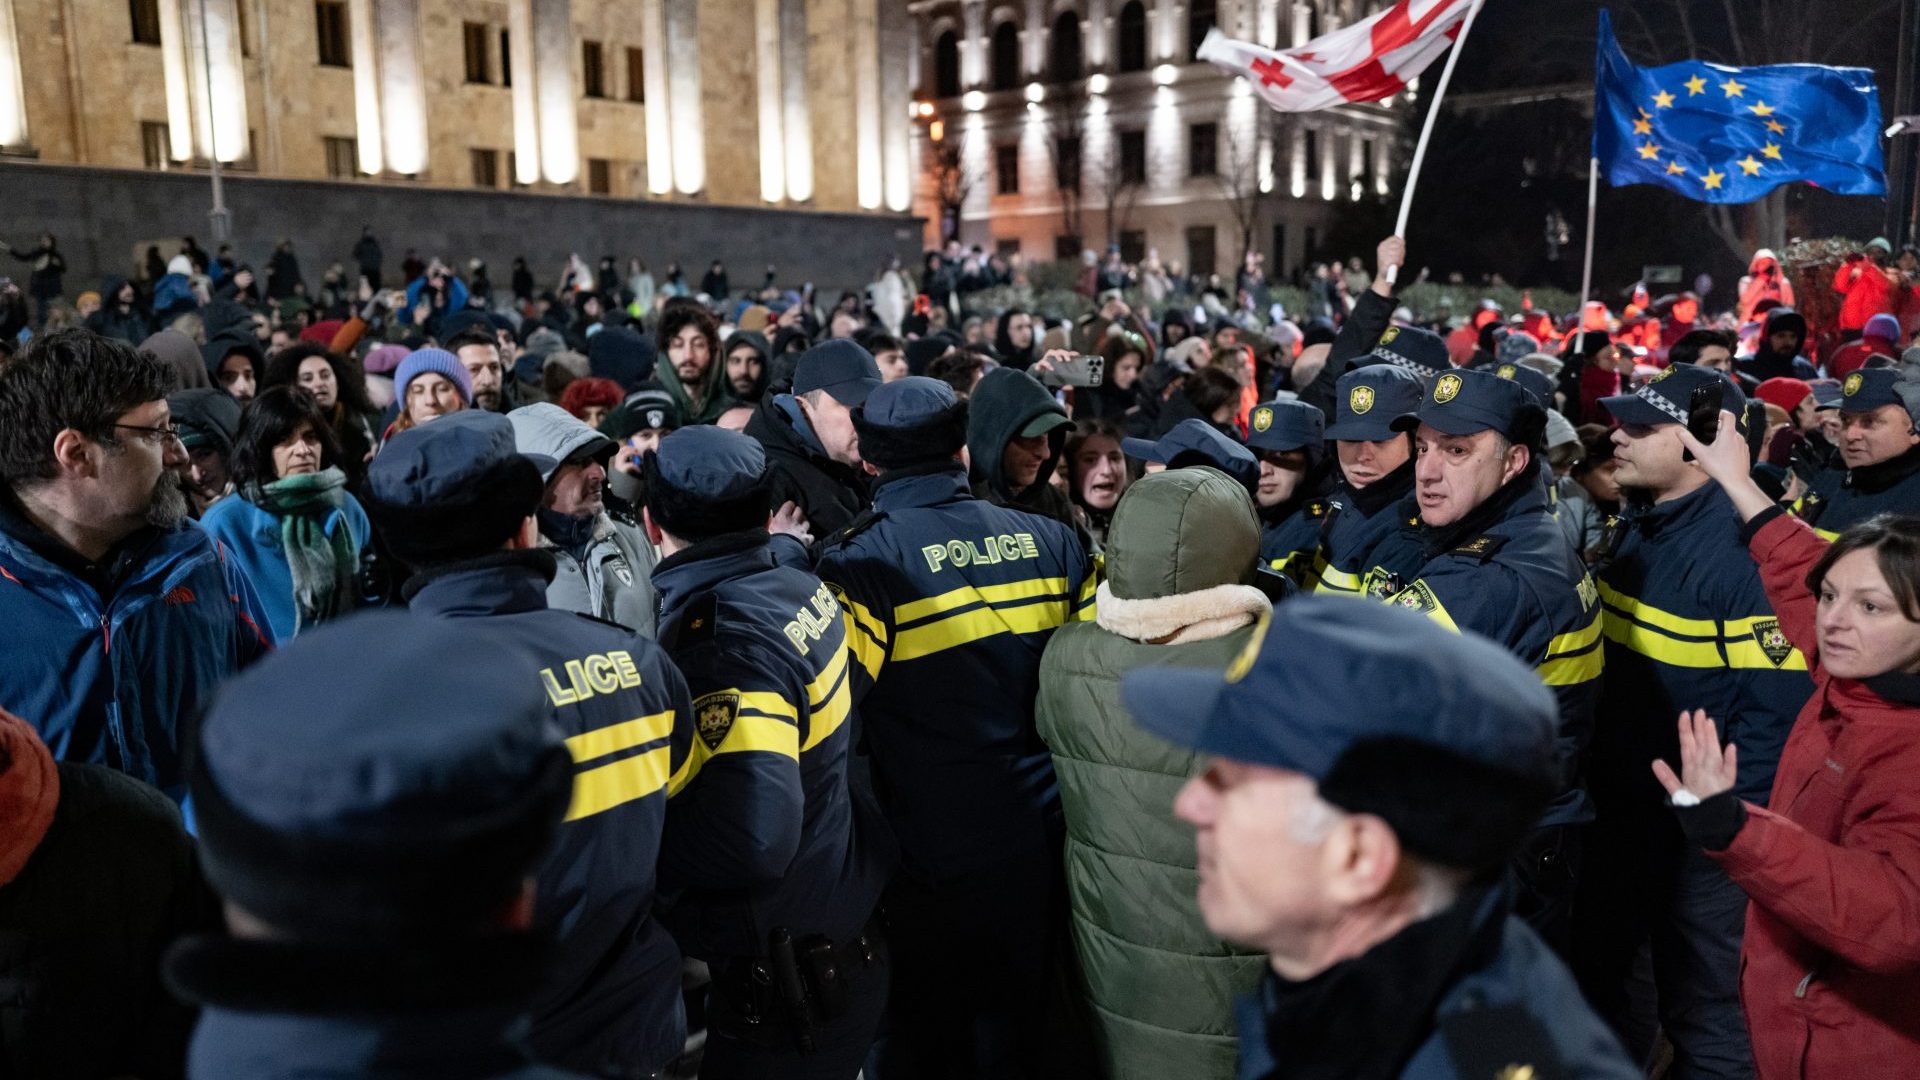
[(799, 986)]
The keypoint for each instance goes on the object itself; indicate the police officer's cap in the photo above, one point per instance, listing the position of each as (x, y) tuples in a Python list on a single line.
[(1466, 402), (1282, 426), (1367, 400), (1196, 442), (1422, 352), (409, 801), (910, 421), (649, 408), (705, 480), (1869, 388), (1538, 384), (1666, 398), (452, 488), (847, 372), (1446, 736)]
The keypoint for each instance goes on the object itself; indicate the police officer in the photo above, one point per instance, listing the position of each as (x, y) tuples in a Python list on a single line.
[(952, 601), (1687, 625), (778, 861), (1289, 439), (1196, 442), (1481, 552), (1879, 452), (1352, 825), (1376, 468), (457, 504), (376, 847)]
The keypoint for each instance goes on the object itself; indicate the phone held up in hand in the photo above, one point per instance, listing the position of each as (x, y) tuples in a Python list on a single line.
[(1076, 370)]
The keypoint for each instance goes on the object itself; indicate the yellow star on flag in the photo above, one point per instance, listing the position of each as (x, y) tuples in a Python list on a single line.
[(1772, 150), (1749, 166), (1643, 127), (1762, 109), (1712, 179), (1674, 168), (1776, 127), (1650, 151), (1663, 100), (1696, 85), (1732, 87)]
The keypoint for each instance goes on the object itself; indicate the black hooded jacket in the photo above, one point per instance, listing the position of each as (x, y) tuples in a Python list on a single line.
[(830, 494), (1004, 402), (129, 325), (1766, 364), (758, 342)]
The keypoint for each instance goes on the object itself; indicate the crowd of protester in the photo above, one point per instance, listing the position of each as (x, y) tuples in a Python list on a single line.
[(867, 688)]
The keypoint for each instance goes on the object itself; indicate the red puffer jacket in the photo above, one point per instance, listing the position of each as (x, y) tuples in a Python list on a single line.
[(1830, 970)]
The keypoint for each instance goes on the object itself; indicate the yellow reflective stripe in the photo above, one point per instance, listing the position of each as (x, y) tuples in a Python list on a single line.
[(1665, 648), (603, 788), (1575, 640), (767, 703), (827, 717), (1823, 534), (1438, 614), (866, 635), (614, 738), (1572, 670), (1332, 579), (970, 626), (1083, 609), (1744, 651), (992, 594), (823, 684), (1644, 612), (750, 732)]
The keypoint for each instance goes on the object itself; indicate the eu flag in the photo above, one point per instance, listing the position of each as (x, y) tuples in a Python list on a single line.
[(1731, 134)]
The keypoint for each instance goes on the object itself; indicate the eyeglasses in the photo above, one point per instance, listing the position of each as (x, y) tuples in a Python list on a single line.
[(158, 436)]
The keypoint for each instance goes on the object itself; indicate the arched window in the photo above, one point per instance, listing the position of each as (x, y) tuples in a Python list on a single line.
[(1006, 57), (946, 65), (1201, 18), (1063, 62), (1133, 36)]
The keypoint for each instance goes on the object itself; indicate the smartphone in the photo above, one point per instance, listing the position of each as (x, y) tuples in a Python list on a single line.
[(1703, 410), (1076, 370)]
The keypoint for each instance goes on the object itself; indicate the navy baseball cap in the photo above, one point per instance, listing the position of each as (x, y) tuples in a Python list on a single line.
[(1665, 398), (408, 800), (1868, 389), (1536, 383), (1422, 352), (1286, 425), (1196, 442), (841, 367), (1366, 402), (1465, 402), (1826, 393), (1326, 676)]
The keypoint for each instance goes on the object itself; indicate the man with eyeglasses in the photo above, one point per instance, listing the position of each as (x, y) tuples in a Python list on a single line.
[(120, 615)]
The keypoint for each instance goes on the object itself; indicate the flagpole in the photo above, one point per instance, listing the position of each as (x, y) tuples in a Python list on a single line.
[(1586, 273), (1426, 131)]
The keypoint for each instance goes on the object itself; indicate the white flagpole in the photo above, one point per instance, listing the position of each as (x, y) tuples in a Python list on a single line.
[(1586, 274), (1426, 130)]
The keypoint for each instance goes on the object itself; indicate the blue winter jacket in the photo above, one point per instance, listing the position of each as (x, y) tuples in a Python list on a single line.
[(116, 681), (251, 537)]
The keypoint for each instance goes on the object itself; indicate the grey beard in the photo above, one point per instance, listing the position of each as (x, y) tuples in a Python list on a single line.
[(169, 506)]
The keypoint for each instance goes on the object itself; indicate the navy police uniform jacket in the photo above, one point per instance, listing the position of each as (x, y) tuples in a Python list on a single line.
[(952, 600), (1688, 626), (764, 828), (1358, 523), (1288, 547), (611, 995), (1843, 497), (1519, 582)]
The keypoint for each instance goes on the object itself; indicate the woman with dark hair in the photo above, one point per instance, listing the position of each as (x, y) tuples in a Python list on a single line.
[(1096, 474), (294, 528), (1118, 394), (1830, 963), (339, 388), (1016, 339)]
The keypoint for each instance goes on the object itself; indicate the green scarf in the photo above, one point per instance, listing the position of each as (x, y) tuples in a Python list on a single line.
[(323, 566)]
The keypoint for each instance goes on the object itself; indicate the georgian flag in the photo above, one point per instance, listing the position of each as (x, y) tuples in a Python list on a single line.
[(1367, 61)]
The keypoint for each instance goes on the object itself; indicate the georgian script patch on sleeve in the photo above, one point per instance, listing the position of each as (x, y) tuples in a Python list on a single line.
[(713, 716)]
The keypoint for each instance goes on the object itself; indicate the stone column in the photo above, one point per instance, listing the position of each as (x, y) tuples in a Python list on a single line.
[(796, 121), (973, 43), (13, 92), (653, 39), (403, 85), (870, 177), (200, 68), (898, 49), (366, 88), (553, 45), (682, 21), (525, 92), (773, 147)]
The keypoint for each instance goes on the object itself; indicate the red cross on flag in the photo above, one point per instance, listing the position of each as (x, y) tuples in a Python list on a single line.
[(1370, 60)]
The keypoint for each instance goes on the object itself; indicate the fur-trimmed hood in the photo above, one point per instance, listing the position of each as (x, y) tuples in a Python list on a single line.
[(1170, 620)]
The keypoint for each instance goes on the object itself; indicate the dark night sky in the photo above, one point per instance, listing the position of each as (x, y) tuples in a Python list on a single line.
[(1494, 174)]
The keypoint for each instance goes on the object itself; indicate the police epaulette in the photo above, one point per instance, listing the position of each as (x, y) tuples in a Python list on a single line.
[(606, 622), (699, 624), (1484, 545), (866, 520), (1500, 1042), (1317, 509)]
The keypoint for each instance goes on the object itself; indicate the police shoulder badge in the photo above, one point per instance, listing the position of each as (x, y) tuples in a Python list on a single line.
[(1852, 385), (1506, 371), (713, 716), (1387, 335), (1360, 399), (1417, 597), (1772, 641), (1484, 546), (1262, 419), (1445, 389)]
